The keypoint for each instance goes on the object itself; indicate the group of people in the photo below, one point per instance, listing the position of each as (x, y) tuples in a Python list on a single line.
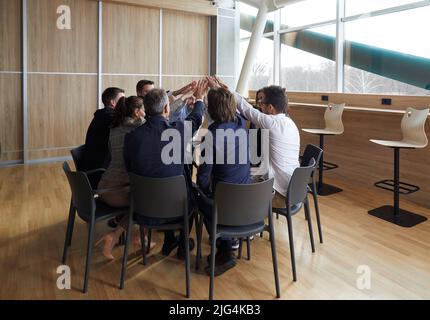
[(126, 136)]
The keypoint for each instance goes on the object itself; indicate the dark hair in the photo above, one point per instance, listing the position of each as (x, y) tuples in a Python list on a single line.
[(221, 105), (125, 108), (277, 97), (155, 101), (110, 94), (256, 96), (142, 83)]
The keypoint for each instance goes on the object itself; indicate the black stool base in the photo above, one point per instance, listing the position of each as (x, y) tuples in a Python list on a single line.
[(327, 189), (404, 219)]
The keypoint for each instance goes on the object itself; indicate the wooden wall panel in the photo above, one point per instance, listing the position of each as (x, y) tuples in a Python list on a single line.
[(54, 50), (362, 162), (131, 39), (60, 110), (185, 44), (128, 83), (192, 6), (174, 83), (10, 117), (10, 35)]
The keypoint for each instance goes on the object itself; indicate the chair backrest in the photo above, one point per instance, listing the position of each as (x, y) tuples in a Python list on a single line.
[(158, 197), (311, 152), (333, 117), (243, 204), (297, 189), (82, 196), (78, 157), (412, 125)]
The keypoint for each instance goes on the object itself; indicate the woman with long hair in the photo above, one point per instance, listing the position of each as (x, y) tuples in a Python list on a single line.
[(129, 114)]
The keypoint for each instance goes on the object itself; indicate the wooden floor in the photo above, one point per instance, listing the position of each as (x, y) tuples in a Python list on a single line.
[(34, 207)]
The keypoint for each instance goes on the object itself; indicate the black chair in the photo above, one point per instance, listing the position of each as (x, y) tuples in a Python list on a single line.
[(297, 197), (89, 208), (313, 153), (239, 211), (161, 198), (78, 159)]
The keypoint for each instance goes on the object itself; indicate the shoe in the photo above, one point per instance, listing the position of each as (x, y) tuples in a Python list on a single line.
[(235, 244), (169, 246), (112, 223), (223, 262), (181, 249)]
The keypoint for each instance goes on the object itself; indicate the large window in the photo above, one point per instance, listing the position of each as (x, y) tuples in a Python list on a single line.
[(262, 69), (353, 7), (386, 46), (388, 53), (307, 61), (307, 12)]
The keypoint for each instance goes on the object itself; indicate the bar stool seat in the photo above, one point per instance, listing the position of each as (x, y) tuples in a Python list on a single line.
[(333, 126), (398, 144), (323, 131), (414, 137)]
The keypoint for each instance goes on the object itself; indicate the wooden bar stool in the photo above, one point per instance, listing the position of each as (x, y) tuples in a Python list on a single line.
[(414, 136), (333, 126)]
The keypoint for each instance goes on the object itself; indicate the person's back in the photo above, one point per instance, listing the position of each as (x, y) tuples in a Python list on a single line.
[(229, 163), (97, 153), (144, 153), (129, 115), (235, 167)]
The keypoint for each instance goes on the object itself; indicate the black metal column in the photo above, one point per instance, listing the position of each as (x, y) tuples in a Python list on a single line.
[(396, 181), (324, 189), (393, 213)]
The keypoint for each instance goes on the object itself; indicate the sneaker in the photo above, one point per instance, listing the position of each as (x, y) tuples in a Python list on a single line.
[(181, 249), (224, 261)]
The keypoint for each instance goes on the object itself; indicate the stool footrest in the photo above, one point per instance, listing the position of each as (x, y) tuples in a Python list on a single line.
[(329, 166), (404, 188)]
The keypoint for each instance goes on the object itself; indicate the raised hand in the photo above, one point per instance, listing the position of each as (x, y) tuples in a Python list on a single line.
[(220, 83), (212, 83), (201, 89), (189, 87)]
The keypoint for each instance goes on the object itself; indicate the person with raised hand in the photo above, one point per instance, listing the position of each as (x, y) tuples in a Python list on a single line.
[(143, 152)]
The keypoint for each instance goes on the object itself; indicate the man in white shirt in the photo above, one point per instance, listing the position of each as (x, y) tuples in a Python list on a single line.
[(284, 137)]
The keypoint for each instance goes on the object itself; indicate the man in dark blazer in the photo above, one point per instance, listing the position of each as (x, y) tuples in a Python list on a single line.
[(143, 149), (96, 154)]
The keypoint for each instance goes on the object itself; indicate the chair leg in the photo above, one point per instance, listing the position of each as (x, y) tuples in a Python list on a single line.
[(149, 240), (125, 255), (248, 248), (199, 240), (142, 240), (211, 283), (275, 261), (89, 253), (239, 253), (308, 215), (187, 260), (69, 232), (291, 240), (317, 210)]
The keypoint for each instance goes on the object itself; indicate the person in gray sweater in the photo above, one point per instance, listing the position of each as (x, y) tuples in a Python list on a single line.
[(129, 114)]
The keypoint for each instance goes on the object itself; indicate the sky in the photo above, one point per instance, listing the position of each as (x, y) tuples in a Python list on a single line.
[(406, 31)]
